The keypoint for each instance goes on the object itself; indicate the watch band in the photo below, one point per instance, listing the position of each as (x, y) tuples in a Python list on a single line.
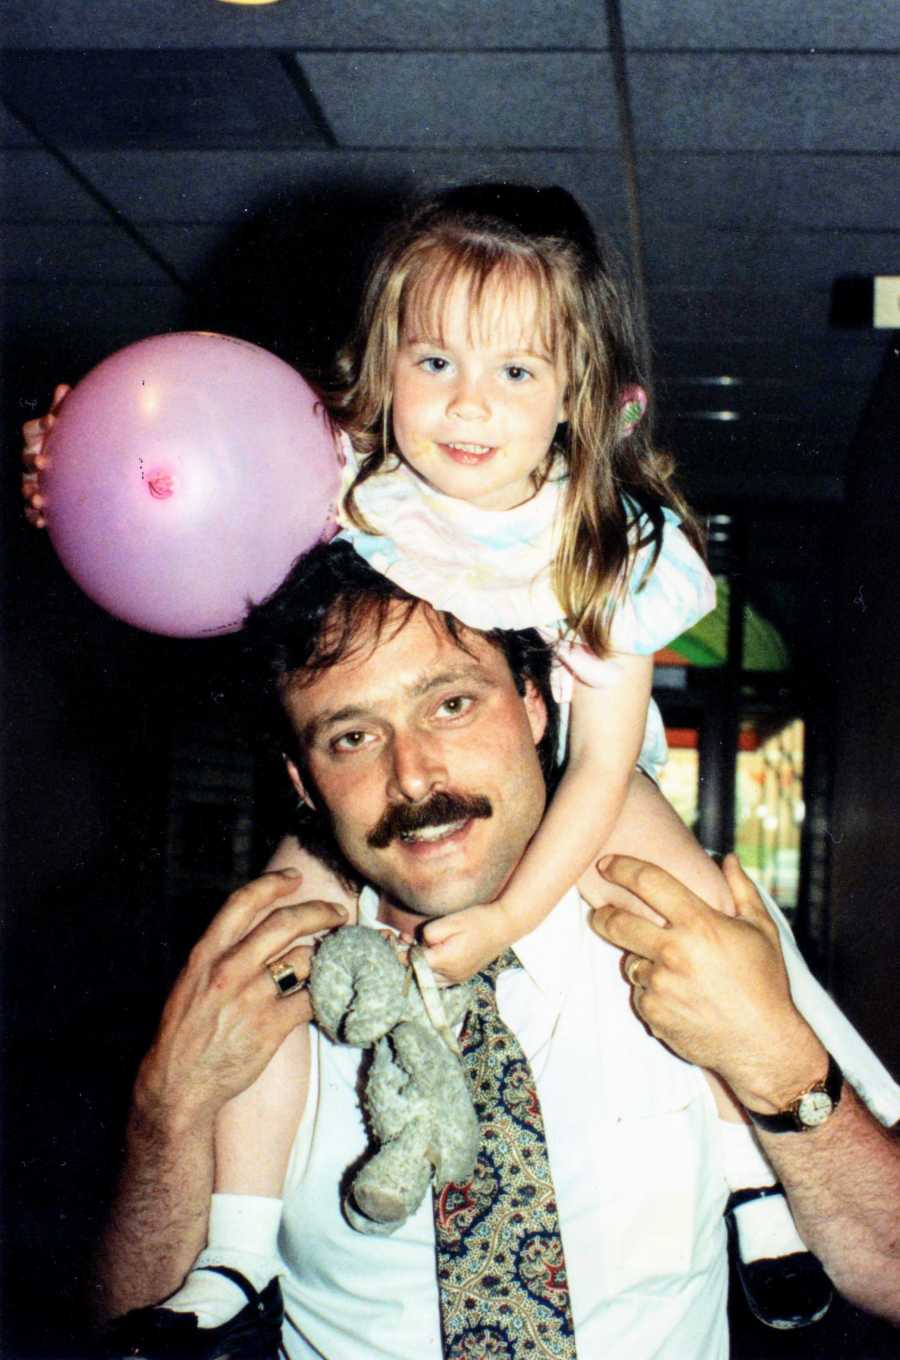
[(809, 1109)]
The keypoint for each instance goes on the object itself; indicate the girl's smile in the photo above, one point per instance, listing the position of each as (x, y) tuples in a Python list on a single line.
[(476, 406), (468, 455)]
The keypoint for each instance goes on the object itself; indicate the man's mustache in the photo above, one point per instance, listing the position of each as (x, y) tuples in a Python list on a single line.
[(442, 807)]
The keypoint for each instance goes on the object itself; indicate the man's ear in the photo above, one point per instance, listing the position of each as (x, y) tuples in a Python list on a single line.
[(536, 711), (299, 786)]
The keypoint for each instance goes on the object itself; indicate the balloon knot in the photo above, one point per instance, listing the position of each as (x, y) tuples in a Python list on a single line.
[(161, 485)]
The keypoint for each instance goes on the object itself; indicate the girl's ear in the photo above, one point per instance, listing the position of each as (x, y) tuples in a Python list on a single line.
[(294, 776), (631, 411)]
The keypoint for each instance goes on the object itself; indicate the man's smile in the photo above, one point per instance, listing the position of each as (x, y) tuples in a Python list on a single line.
[(431, 833), (441, 818)]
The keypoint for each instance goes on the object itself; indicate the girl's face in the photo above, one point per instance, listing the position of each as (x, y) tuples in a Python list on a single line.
[(476, 405)]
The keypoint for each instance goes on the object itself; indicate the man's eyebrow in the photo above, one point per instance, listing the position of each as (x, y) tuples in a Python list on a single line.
[(456, 675), (330, 718)]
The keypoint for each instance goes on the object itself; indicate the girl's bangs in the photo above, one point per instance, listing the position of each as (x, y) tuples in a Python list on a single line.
[(490, 277)]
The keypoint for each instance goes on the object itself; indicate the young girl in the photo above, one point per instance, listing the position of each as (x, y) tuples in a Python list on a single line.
[(498, 465)]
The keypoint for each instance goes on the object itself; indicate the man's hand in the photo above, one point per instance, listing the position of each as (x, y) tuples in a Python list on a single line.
[(225, 1017), (712, 987), (221, 1025)]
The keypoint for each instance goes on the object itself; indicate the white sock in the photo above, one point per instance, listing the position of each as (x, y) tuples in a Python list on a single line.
[(765, 1227), (243, 1233)]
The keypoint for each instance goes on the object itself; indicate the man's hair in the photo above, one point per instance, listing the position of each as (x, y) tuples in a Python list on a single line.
[(330, 607)]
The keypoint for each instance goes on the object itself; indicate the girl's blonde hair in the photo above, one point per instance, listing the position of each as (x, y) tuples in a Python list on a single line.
[(515, 236)]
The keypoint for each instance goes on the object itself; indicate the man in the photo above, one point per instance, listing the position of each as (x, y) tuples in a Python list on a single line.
[(416, 743)]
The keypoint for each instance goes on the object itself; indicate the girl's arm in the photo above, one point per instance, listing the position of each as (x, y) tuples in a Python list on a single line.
[(607, 732)]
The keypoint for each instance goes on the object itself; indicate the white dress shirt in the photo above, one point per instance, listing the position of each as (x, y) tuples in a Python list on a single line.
[(633, 1146)]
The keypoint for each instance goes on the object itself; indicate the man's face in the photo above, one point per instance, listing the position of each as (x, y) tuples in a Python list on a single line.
[(424, 756)]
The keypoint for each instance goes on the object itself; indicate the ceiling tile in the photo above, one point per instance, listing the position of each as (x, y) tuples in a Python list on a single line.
[(825, 362), (220, 186), (760, 191), (36, 187), (193, 248), (419, 99), (802, 24), (684, 312), (192, 186), (160, 99), (776, 102), (85, 322), (72, 252), (693, 258), (191, 245), (316, 23), (12, 133)]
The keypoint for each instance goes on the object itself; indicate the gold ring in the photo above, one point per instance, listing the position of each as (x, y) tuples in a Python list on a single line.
[(285, 979), (632, 964)]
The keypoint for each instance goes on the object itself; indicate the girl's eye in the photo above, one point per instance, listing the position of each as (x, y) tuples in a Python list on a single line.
[(455, 706), (350, 741), (434, 364), (516, 373)]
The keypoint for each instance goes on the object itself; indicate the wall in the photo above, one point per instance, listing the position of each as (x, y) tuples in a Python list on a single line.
[(865, 933)]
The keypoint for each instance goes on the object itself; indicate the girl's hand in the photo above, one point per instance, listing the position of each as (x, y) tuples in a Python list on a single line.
[(462, 944), (34, 459)]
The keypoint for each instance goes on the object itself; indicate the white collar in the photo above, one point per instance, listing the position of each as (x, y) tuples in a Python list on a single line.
[(546, 954)]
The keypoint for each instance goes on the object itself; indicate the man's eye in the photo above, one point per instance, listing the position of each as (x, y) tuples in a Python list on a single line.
[(350, 741), (455, 706)]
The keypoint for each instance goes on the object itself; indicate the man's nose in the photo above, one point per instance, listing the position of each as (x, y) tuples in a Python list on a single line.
[(417, 768), (468, 400)]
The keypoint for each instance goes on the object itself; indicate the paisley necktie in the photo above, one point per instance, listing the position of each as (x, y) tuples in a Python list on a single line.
[(501, 1271)]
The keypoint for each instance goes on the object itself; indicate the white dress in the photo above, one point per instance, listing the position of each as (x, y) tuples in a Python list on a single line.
[(493, 569)]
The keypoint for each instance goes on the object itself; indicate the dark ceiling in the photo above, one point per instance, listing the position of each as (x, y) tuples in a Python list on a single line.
[(188, 160)]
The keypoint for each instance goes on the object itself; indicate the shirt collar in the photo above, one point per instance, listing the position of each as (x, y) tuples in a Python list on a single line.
[(546, 954)]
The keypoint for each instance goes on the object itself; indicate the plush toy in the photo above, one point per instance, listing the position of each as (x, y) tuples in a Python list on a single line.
[(416, 1097)]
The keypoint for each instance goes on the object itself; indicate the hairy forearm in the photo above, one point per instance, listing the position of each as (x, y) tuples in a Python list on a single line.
[(842, 1179), (843, 1183), (715, 990), (158, 1221)]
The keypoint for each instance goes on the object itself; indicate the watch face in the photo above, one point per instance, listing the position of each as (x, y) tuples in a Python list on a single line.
[(814, 1108)]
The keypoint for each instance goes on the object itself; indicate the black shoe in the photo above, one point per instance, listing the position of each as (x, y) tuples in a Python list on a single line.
[(161, 1334), (785, 1292)]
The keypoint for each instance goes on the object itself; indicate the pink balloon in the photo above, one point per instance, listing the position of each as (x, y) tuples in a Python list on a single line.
[(186, 474)]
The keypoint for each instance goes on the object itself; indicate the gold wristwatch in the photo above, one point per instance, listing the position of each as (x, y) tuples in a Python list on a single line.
[(810, 1109)]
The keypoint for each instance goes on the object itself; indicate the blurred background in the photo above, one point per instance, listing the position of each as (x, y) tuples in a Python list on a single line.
[(191, 163)]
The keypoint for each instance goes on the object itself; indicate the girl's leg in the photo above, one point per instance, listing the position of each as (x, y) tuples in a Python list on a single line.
[(256, 1129), (649, 828), (254, 1136)]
